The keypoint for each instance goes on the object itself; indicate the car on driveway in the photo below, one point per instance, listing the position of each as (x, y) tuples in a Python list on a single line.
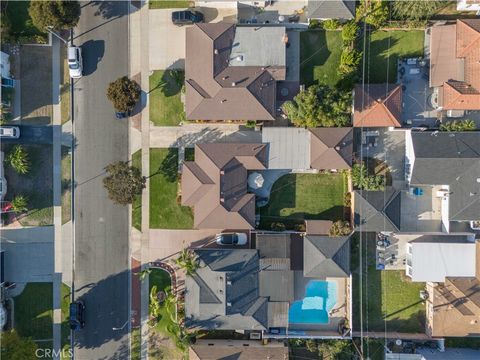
[(231, 239), (75, 63), (186, 17), (77, 315), (12, 132)]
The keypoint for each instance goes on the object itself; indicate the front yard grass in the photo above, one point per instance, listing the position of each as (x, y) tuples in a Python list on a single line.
[(384, 48), (298, 197), (66, 184), (165, 209), (320, 52), (65, 306), (33, 311), (137, 203), (166, 107), (391, 301), (64, 87), (170, 4)]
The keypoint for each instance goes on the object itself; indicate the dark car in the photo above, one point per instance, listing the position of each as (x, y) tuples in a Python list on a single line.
[(122, 114), (77, 315), (186, 17)]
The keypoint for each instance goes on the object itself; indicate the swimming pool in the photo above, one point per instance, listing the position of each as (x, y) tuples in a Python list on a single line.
[(320, 298)]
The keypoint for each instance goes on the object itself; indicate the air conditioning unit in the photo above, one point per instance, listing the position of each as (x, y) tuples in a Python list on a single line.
[(255, 336)]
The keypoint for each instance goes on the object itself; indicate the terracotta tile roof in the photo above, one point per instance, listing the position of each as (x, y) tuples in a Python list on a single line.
[(215, 184), (331, 148), (459, 95), (377, 105)]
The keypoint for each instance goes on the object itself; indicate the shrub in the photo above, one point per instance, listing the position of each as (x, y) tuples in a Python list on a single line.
[(459, 125), (19, 203), (250, 124), (350, 32), (362, 180), (123, 93), (299, 227), (18, 159), (123, 182), (331, 24), (347, 199), (349, 61), (314, 24), (58, 14), (340, 228), (277, 226), (311, 345)]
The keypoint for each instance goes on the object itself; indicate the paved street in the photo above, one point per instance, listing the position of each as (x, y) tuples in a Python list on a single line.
[(101, 228)]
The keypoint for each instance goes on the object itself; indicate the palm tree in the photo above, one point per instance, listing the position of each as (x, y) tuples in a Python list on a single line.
[(187, 260), (18, 159), (143, 274), (19, 203)]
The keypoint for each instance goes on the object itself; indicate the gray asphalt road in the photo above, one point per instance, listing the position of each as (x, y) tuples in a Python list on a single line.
[(101, 228)]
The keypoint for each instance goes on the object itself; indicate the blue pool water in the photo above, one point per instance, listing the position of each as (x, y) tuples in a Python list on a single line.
[(320, 298)]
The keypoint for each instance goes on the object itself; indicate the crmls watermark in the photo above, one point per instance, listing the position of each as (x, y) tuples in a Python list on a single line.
[(54, 354)]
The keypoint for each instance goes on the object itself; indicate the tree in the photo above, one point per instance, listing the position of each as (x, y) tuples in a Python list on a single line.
[(19, 204), (16, 348), (331, 24), (373, 12), (311, 345), (57, 14), (155, 307), (415, 10), (362, 180), (123, 93), (187, 260), (336, 350), (18, 159), (319, 105), (349, 61), (350, 32), (123, 182), (459, 125), (340, 228)]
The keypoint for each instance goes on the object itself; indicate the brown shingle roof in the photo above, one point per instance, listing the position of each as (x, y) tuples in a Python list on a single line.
[(215, 184), (377, 105), (217, 91), (236, 350), (331, 148)]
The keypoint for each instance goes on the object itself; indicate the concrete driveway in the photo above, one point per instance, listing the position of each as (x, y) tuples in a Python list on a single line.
[(28, 254)]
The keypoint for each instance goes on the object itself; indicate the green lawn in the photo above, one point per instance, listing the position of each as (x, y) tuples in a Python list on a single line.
[(169, 4), (390, 299), (33, 311), (65, 304), (166, 107), (137, 203), (320, 52), (383, 50), (165, 210), (296, 197), (21, 27)]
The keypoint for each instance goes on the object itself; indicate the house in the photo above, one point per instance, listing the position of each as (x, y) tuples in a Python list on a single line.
[(238, 350), (449, 163), (290, 285), (331, 148), (377, 105), (231, 71), (342, 10), (454, 66), (215, 184)]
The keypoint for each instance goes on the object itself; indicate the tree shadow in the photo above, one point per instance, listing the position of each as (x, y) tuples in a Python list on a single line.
[(169, 166), (313, 52), (171, 82), (92, 52), (111, 9)]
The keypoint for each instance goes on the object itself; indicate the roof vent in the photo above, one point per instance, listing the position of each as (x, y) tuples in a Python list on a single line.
[(215, 51), (225, 78), (234, 83), (337, 148), (229, 304), (223, 100), (478, 180), (222, 200), (229, 282), (239, 57)]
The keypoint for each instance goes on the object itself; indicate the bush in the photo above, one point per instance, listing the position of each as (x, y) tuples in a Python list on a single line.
[(340, 228), (459, 125), (314, 24), (311, 345), (349, 61), (300, 227), (347, 199), (18, 159), (277, 226), (372, 12), (331, 24), (362, 180), (123, 182), (123, 93), (19, 204), (250, 124), (350, 32), (58, 14)]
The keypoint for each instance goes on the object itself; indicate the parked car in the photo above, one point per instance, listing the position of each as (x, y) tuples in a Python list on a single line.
[(231, 239), (12, 132), (75, 64), (186, 17), (77, 315), (122, 114), (3, 181)]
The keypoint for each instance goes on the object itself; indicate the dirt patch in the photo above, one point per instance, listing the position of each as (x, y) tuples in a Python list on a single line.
[(37, 185), (36, 85), (162, 347)]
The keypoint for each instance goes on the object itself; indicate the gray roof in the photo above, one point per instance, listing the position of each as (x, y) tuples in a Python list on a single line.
[(273, 245), (326, 256), (447, 158), (224, 292), (277, 285), (329, 9), (377, 210), (288, 147)]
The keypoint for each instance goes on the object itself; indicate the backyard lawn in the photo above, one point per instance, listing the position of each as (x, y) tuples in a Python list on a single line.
[(166, 107), (390, 300), (137, 203), (165, 210), (297, 197), (320, 56), (383, 50), (170, 4), (33, 311)]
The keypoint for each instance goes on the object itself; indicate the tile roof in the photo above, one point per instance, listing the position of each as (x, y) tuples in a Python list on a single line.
[(331, 148), (377, 105), (215, 90), (215, 184)]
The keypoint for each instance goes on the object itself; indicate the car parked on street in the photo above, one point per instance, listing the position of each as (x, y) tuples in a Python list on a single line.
[(231, 239), (186, 17), (3, 181), (12, 132), (77, 315), (75, 63)]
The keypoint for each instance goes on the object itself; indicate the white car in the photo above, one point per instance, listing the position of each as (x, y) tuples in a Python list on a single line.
[(231, 239), (3, 181), (75, 66), (12, 132)]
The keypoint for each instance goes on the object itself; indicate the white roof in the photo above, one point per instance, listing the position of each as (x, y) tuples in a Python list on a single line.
[(433, 261), (289, 147)]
